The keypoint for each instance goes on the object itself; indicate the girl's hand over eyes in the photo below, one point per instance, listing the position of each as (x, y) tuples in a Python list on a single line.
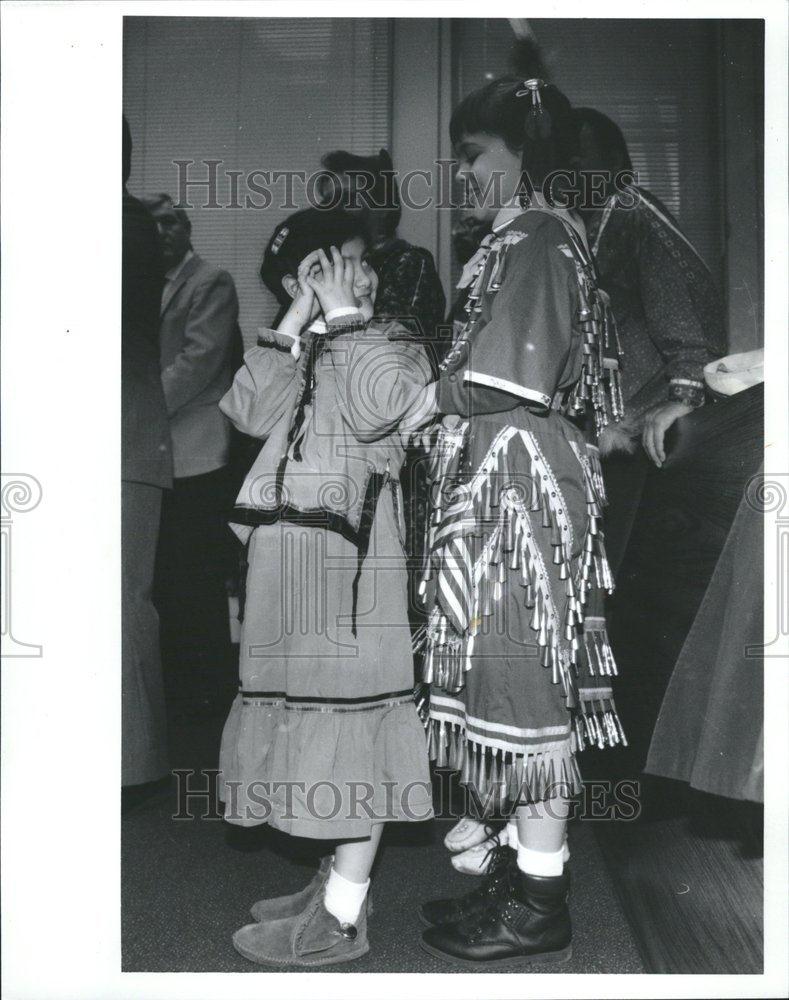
[(333, 283)]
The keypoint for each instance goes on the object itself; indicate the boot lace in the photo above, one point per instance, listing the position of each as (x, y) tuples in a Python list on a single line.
[(496, 876)]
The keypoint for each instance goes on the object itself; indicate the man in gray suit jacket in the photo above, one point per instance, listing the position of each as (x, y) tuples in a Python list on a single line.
[(199, 341), (146, 470)]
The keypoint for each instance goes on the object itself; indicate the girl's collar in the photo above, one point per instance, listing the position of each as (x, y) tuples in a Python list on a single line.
[(513, 210), (507, 214), (317, 326)]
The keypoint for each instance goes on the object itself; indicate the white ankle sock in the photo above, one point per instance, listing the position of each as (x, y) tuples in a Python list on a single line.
[(344, 899), (512, 834), (545, 863)]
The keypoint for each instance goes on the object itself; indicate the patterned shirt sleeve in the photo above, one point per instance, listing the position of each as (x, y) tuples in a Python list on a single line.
[(681, 305)]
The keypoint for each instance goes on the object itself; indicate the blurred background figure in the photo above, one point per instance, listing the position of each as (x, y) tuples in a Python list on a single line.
[(200, 349), (409, 288), (146, 461), (668, 312)]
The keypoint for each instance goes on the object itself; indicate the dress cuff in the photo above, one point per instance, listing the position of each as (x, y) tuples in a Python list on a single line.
[(268, 337), (342, 311), (346, 324), (505, 385), (686, 390)]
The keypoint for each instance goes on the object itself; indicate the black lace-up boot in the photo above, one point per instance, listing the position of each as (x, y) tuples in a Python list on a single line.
[(440, 912), (528, 921)]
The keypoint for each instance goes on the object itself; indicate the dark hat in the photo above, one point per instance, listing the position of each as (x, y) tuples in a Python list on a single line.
[(300, 234)]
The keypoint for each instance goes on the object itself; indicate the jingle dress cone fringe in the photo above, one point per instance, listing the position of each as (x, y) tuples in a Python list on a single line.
[(517, 651)]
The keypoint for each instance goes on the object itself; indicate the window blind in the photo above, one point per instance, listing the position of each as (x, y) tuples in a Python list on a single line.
[(657, 79), (268, 94)]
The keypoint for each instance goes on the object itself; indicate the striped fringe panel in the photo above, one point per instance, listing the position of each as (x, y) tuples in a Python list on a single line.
[(511, 545), (502, 777)]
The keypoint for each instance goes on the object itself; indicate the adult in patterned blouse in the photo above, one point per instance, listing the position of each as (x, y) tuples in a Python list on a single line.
[(667, 309)]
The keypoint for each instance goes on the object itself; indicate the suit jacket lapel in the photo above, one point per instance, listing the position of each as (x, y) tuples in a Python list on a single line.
[(171, 288)]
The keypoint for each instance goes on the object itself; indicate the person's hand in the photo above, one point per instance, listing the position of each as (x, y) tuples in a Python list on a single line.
[(301, 312), (332, 282), (304, 307), (658, 421)]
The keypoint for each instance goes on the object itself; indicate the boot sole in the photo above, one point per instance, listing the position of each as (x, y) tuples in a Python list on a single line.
[(545, 958), (293, 962)]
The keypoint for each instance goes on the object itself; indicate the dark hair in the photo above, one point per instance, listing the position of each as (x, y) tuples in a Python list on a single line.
[(608, 136), (300, 234), (545, 133), (154, 201), (126, 150), (381, 191)]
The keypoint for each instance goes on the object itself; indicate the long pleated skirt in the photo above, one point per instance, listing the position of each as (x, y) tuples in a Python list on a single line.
[(324, 739)]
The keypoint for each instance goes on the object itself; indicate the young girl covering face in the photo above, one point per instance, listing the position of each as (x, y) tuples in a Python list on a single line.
[(346, 281), (324, 739)]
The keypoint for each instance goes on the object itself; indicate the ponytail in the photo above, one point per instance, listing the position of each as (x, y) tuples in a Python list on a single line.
[(531, 116), (550, 134)]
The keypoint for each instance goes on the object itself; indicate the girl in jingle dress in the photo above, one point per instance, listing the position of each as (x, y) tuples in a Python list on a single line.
[(519, 665)]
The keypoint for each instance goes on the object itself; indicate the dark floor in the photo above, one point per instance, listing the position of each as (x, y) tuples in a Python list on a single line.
[(690, 879), (188, 884), (678, 891)]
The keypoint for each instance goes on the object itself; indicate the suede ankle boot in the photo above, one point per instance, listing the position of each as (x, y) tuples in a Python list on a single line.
[(288, 906), (308, 939), (528, 922), (440, 912)]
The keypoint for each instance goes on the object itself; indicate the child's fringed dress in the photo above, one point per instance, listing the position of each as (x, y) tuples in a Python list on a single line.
[(324, 737), (517, 652)]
